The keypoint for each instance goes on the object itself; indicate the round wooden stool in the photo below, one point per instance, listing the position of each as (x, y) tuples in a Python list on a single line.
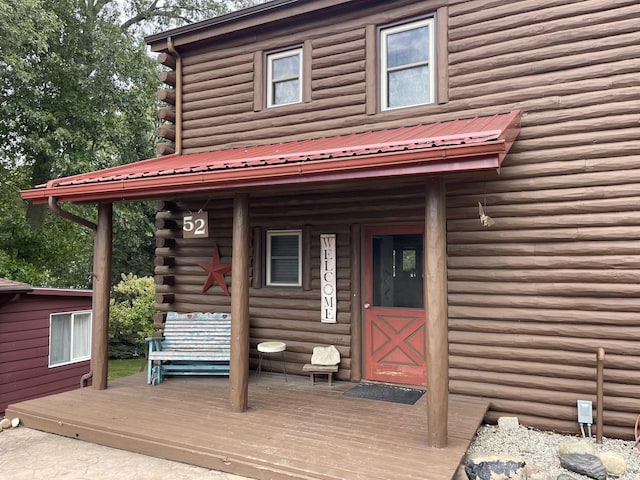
[(268, 348)]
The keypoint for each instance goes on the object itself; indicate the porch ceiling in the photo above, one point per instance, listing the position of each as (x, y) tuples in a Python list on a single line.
[(478, 143)]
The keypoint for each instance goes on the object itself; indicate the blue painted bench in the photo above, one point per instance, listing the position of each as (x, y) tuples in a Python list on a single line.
[(192, 344)]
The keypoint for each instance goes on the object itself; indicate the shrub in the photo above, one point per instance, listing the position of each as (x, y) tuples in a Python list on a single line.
[(131, 316)]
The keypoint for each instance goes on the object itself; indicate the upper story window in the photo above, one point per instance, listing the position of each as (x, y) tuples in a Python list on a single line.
[(284, 77), (407, 65), (284, 258), (70, 338)]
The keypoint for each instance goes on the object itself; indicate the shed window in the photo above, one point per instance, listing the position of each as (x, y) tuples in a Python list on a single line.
[(407, 65), (284, 77), (284, 258), (70, 338)]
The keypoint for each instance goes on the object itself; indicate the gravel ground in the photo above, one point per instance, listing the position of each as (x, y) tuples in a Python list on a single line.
[(539, 449)]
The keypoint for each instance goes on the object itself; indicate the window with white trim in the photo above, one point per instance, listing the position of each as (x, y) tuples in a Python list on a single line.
[(69, 338), (407, 63), (284, 258), (284, 77)]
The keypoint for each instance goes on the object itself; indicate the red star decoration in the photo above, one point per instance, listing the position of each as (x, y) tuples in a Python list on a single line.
[(216, 271)]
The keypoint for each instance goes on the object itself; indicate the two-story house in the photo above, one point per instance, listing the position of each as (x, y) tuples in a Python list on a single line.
[(471, 168)]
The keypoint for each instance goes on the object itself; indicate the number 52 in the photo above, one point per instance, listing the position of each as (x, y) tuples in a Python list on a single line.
[(195, 225)]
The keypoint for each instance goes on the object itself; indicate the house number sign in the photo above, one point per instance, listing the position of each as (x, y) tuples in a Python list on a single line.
[(328, 277), (195, 225)]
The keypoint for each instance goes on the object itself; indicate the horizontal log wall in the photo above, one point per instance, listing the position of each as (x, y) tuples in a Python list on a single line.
[(219, 83), (288, 314), (533, 297)]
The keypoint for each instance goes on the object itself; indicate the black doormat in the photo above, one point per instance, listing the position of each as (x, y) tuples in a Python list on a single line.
[(387, 393)]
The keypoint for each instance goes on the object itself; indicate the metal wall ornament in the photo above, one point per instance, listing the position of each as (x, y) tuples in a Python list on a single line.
[(485, 219), (216, 270)]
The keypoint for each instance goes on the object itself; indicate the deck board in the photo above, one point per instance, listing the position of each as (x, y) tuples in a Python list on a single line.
[(292, 430)]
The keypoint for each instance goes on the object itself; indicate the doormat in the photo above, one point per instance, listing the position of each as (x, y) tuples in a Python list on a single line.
[(387, 393)]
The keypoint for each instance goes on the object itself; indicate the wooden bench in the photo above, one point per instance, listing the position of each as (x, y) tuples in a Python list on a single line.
[(193, 344), (314, 370)]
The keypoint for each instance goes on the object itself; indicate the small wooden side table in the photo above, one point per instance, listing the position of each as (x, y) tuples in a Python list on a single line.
[(313, 370)]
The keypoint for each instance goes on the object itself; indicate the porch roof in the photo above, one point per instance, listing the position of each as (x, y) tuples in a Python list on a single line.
[(478, 143)]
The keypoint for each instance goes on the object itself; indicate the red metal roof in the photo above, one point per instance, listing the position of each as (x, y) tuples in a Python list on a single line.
[(477, 143)]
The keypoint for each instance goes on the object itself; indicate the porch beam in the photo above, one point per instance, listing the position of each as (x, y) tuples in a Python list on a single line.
[(437, 346), (239, 362), (102, 254)]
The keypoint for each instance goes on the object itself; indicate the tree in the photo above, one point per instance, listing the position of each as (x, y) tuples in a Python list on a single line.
[(78, 93)]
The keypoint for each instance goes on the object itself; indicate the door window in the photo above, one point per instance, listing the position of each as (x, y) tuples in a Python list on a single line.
[(397, 270)]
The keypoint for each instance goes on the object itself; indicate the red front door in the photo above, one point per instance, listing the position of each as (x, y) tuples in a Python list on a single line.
[(394, 315)]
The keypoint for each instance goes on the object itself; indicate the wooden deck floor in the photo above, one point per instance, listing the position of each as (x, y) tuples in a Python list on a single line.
[(292, 430)]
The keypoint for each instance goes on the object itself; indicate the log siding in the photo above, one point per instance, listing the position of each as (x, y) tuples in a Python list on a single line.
[(530, 299), (289, 314)]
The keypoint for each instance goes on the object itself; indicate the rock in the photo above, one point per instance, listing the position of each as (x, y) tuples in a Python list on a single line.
[(495, 468), (532, 470), (15, 422), (564, 476), (508, 423), (534, 473), (539, 476), (614, 463), (5, 423), (584, 464), (576, 446)]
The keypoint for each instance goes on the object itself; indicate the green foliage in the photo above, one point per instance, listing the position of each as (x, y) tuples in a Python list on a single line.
[(134, 241), (24, 29), (78, 93), (131, 315), (58, 256)]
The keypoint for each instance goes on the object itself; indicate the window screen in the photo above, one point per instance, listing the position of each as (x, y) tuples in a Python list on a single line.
[(407, 76), (284, 262), (284, 77)]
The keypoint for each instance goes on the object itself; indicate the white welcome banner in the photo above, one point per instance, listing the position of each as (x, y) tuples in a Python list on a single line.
[(328, 277)]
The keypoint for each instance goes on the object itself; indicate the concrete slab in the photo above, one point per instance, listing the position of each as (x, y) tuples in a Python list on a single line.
[(27, 454)]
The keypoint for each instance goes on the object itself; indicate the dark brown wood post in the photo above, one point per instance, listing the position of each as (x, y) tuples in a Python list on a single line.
[(101, 287), (356, 303), (239, 365), (435, 289), (599, 394)]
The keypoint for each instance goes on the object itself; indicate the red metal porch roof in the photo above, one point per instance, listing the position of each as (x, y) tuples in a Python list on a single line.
[(478, 143)]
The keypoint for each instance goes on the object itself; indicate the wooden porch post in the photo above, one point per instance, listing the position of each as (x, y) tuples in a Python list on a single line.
[(435, 290), (239, 364), (101, 285), (356, 303)]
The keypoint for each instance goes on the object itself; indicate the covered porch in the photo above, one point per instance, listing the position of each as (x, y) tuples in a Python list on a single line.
[(291, 430)]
